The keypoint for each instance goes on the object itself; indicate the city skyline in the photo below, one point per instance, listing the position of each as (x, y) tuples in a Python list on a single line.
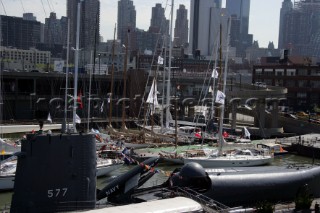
[(263, 23)]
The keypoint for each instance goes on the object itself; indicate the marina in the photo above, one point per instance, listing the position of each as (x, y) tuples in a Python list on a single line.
[(191, 117), (285, 160)]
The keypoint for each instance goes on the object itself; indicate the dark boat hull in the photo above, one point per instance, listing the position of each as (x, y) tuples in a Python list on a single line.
[(251, 185)]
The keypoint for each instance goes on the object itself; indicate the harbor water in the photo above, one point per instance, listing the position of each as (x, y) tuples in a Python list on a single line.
[(160, 177)]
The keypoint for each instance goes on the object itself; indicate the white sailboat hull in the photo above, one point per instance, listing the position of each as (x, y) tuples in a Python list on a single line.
[(230, 161), (105, 170), (106, 166)]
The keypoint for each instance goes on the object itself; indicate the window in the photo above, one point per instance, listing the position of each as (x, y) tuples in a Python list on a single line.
[(301, 95), (290, 83), (315, 73), (303, 83), (291, 72), (302, 72)]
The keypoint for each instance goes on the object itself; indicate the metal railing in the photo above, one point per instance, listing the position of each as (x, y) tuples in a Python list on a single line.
[(208, 204)]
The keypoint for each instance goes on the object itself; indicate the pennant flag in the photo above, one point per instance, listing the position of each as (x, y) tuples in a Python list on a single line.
[(101, 108), (160, 60), (49, 118), (78, 120), (215, 73), (79, 100), (246, 132), (220, 97), (210, 89)]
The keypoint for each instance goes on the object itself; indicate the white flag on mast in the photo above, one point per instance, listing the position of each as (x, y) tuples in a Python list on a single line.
[(215, 73), (49, 118), (160, 60), (78, 120), (246, 132), (220, 97), (210, 89)]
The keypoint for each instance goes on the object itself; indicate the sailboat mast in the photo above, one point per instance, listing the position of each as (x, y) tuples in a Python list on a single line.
[(112, 73), (224, 86), (93, 56), (64, 124), (169, 71), (125, 83), (90, 83), (163, 82), (76, 66)]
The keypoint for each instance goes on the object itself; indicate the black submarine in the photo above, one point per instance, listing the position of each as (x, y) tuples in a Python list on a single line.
[(57, 173)]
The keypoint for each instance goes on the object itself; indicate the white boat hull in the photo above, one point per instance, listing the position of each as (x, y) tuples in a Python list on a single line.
[(230, 161), (137, 145), (103, 170), (6, 182)]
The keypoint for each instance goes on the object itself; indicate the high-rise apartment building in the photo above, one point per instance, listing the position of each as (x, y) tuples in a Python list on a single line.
[(286, 7), (200, 31), (53, 30), (239, 10), (126, 20), (19, 33), (301, 26), (29, 17), (181, 27), (90, 25)]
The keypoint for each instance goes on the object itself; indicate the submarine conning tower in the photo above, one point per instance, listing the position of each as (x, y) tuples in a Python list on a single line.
[(55, 173)]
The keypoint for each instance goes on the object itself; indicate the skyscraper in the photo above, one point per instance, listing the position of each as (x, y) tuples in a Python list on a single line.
[(159, 23), (53, 30), (239, 10), (90, 25), (181, 27), (301, 28), (200, 19), (286, 7), (126, 19)]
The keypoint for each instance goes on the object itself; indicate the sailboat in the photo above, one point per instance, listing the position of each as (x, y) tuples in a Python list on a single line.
[(237, 158)]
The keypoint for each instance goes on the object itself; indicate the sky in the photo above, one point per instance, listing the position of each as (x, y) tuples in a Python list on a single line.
[(263, 23)]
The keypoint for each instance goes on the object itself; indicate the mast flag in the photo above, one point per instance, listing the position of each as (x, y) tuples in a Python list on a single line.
[(220, 97), (78, 119), (246, 132), (49, 118), (160, 60), (214, 73)]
